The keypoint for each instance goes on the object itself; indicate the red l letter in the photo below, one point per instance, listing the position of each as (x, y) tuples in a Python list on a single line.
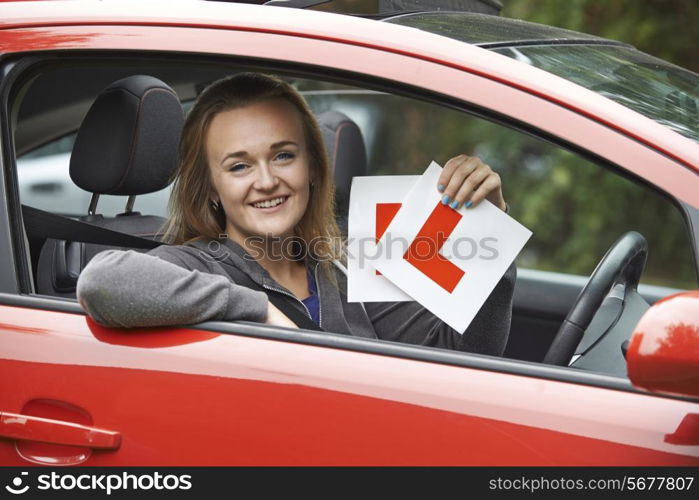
[(385, 212), (434, 233)]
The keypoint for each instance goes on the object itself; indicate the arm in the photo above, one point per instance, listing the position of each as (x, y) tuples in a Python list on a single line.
[(410, 322), (131, 289)]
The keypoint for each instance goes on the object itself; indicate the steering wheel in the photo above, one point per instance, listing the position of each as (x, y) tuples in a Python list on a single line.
[(622, 264)]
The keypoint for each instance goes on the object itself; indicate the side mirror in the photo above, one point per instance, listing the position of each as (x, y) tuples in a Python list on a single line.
[(663, 353)]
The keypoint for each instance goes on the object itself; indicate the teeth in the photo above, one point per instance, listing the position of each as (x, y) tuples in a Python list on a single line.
[(269, 203)]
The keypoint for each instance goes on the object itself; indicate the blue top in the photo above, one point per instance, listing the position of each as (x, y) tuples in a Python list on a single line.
[(311, 302)]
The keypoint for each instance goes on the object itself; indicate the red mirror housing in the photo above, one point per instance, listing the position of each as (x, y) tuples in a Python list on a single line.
[(663, 354)]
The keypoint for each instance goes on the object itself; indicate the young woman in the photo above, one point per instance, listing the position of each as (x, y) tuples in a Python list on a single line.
[(253, 176)]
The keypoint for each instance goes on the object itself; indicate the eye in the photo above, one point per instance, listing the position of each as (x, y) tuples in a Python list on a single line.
[(285, 156), (238, 167)]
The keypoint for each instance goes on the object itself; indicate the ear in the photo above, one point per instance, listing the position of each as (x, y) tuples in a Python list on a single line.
[(213, 195)]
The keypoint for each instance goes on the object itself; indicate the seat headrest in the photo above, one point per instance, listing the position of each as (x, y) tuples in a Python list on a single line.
[(346, 151), (127, 143)]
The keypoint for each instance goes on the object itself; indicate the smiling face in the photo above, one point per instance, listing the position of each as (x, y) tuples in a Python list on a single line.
[(258, 161)]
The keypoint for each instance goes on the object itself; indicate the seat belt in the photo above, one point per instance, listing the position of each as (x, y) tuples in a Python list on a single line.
[(45, 224)]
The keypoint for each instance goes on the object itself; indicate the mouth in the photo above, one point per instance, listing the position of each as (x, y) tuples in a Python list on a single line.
[(270, 203)]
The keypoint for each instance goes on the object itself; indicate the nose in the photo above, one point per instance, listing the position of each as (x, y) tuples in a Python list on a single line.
[(266, 179)]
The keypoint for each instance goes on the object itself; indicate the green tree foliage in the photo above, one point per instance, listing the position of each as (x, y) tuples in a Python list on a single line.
[(668, 29)]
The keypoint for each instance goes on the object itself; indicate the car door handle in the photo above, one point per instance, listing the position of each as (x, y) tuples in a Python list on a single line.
[(46, 430)]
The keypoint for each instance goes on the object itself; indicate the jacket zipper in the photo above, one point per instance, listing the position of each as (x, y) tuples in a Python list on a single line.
[(284, 292)]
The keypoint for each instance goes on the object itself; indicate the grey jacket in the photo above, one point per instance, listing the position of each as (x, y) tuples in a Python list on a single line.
[(183, 284)]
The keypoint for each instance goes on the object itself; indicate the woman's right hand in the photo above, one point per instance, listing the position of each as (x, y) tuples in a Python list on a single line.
[(466, 181), (277, 318)]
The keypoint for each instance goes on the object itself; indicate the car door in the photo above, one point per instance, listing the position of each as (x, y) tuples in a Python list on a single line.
[(248, 395), (75, 392)]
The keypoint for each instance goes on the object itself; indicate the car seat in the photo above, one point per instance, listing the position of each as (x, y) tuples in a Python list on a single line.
[(126, 146), (347, 157)]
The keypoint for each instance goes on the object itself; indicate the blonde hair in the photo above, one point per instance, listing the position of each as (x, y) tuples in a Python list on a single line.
[(192, 216)]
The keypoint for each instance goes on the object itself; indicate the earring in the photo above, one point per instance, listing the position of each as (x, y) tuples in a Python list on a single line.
[(215, 205)]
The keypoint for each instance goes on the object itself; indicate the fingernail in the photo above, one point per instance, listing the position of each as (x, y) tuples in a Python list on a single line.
[(445, 199), (468, 204), (454, 204), (440, 188)]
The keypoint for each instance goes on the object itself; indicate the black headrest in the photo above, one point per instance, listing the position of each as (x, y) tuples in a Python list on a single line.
[(346, 152), (127, 143)]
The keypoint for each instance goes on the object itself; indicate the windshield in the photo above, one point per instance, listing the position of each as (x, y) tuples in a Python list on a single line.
[(482, 28), (659, 90), (666, 93)]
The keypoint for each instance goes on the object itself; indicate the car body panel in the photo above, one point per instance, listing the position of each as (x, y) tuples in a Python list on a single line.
[(232, 399), (180, 396)]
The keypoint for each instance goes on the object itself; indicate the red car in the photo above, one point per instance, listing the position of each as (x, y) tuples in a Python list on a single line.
[(596, 144)]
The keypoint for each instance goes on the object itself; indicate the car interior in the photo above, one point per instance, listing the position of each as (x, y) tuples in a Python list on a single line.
[(118, 119)]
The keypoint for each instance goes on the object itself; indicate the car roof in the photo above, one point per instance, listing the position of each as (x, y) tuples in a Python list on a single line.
[(483, 29)]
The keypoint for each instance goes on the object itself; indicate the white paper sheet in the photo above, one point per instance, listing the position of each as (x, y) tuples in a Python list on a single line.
[(482, 245), (363, 283)]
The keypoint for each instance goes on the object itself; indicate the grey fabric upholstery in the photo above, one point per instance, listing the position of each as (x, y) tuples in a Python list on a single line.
[(347, 156), (127, 145)]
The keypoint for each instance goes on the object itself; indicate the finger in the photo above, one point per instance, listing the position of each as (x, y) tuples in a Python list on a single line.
[(470, 184), (489, 185), (457, 178), (448, 170)]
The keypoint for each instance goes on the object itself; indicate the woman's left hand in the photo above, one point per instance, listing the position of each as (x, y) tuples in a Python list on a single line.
[(466, 180)]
